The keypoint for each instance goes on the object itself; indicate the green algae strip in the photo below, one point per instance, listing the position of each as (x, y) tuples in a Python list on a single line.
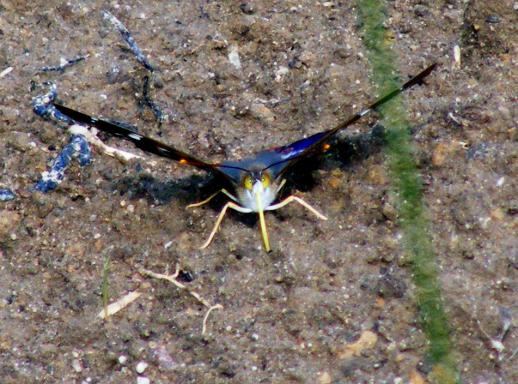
[(407, 184)]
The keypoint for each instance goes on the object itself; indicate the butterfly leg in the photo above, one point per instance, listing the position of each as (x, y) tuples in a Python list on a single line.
[(199, 204), (281, 185), (228, 205), (291, 198)]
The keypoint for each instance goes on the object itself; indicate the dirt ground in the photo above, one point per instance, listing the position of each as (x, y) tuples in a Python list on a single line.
[(333, 303)]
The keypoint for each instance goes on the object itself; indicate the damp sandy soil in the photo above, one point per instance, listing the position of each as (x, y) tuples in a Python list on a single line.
[(334, 301)]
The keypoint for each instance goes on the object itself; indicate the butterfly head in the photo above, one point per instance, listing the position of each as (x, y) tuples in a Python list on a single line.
[(256, 190)]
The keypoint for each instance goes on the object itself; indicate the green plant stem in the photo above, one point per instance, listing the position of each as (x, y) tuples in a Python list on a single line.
[(407, 184)]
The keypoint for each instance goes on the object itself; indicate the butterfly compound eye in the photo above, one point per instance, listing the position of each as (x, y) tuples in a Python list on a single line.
[(265, 180), (248, 183)]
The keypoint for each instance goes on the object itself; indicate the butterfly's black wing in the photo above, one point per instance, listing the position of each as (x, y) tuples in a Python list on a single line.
[(142, 142), (278, 160)]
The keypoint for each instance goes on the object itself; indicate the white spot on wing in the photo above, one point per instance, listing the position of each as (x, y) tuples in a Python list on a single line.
[(291, 154), (134, 136), (364, 112)]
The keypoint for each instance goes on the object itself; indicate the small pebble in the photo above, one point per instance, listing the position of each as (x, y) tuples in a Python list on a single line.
[(141, 367), (367, 340), (122, 359), (377, 175), (334, 181), (8, 222), (165, 360), (19, 141), (416, 378), (261, 112), (506, 112), (325, 378), (233, 57), (342, 52), (497, 214), (6, 194), (76, 365), (247, 8), (280, 72), (440, 154), (388, 207), (143, 380), (493, 19), (421, 11)]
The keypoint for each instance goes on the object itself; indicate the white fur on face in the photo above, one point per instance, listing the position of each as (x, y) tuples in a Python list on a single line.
[(247, 198)]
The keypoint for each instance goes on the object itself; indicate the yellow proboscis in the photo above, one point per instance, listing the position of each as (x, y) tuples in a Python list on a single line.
[(262, 224)]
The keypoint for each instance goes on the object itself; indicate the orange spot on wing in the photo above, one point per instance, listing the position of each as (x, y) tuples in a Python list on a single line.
[(183, 161), (325, 147)]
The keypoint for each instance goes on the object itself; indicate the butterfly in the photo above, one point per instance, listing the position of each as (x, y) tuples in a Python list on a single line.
[(257, 180)]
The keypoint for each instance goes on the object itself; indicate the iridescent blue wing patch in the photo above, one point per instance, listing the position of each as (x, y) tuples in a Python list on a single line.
[(274, 160), (279, 159)]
